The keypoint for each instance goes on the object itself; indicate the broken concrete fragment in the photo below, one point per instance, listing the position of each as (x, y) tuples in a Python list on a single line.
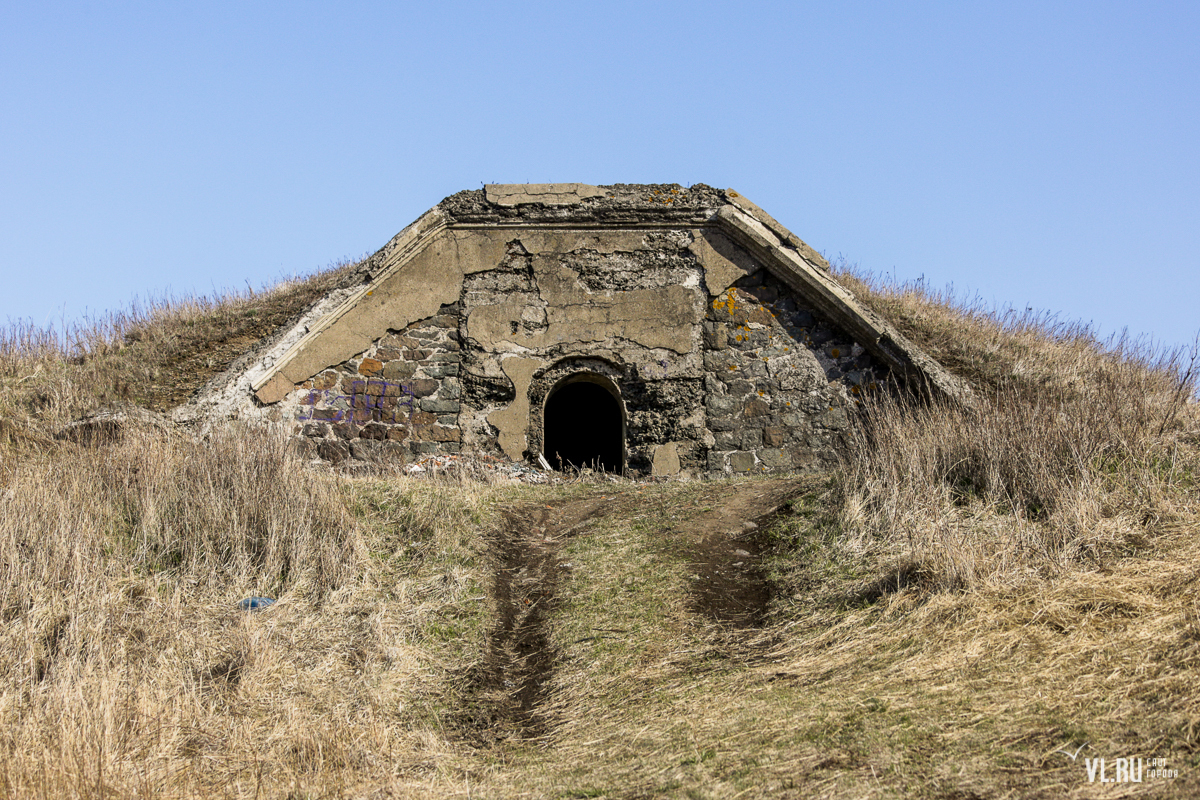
[(666, 460), (555, 194), (511, 420)]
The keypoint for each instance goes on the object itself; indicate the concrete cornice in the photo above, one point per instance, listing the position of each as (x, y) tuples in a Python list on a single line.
[(813, 281), (404, 246)]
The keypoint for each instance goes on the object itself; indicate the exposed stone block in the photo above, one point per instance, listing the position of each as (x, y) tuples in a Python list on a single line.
[(333, 450), (399, 370), (440, 370), (719, 405), (423, 387), (316, 430), (440, 406), (757, 407), (396, 341), (727, 440), (325, 381), (715, 338), (833, 418), (436, 433), (374, 430), (774, 436), (719, 362), (741, 461), (774, 458)]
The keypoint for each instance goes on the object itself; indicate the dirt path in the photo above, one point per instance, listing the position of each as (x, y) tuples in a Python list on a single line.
[(728, 536), (723, 528)]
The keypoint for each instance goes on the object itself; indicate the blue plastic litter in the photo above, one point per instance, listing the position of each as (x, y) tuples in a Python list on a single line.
[(255, 603)]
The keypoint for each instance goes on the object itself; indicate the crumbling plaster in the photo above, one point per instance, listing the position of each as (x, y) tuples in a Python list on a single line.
[(470, 314)]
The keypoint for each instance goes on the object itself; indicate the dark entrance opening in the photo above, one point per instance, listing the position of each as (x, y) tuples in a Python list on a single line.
[(583, 428)]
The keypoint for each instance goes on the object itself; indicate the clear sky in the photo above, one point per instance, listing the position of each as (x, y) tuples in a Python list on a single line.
[(1035, 154)]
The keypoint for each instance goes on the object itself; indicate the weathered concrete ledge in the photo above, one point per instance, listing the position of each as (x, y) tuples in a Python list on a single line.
[(554, 194)]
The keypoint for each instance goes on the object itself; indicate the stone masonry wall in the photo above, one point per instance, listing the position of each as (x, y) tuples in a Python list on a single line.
[(780, 380), (397, 401), (766, 386)]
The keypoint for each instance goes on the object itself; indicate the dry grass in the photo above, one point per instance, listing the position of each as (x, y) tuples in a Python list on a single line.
[(155, 355), (1076, 451), (128, 671), (975, 590)]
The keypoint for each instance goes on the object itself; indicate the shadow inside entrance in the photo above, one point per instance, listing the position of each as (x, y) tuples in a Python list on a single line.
[(583, 428)]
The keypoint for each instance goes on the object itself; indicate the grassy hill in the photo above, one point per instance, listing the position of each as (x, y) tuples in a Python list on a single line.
[(980, 603)]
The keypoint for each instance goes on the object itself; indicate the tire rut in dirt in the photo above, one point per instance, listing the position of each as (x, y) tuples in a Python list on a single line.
[(731, 586), (730, 545), (505, 690)]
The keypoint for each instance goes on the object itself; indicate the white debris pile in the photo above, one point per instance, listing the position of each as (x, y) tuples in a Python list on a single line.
[(479, 467)]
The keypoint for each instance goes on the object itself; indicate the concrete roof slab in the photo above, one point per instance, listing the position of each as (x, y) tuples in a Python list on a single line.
[(551, 194)]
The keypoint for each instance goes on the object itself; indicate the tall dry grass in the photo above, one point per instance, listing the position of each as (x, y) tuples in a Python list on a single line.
[(235, 512), (1076, 449), (126, 669)]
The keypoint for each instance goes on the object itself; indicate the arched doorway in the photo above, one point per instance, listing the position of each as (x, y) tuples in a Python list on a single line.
[(583, 425)]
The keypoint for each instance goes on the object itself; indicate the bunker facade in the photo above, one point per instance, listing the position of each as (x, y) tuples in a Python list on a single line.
[(644, 328)]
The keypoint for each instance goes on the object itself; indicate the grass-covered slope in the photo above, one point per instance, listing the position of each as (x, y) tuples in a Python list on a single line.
[(154, 355), (975, 592)]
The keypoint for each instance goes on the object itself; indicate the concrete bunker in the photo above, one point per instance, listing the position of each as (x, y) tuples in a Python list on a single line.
[(493, 323), (583, 424)]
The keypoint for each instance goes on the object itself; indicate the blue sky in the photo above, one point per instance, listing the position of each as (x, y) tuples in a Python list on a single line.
[(1033, 154)]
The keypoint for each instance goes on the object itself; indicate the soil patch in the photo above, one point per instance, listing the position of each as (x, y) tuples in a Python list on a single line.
[(730, 585), (728, 535), (505, 690)]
